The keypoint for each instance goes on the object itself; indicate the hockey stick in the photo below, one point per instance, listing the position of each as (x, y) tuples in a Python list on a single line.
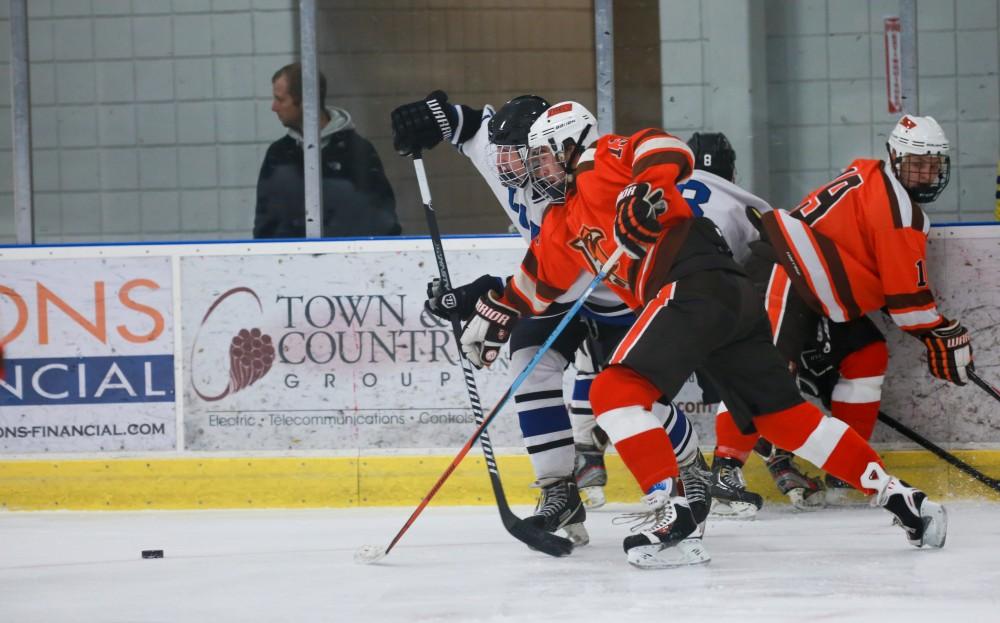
[(373, 553), (986, 387), (937, 450), (532, 536)]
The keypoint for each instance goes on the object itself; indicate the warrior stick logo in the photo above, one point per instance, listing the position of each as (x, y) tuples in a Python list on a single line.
[(251, 352)]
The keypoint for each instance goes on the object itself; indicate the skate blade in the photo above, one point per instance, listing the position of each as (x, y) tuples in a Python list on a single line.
[(686, 553), (593, 497), (800, 502), (732, 510), (935, 519), (577, 534), (846, 498)]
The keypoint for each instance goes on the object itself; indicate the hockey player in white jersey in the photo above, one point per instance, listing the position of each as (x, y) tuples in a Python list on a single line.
[(496, 143), (711, 192)]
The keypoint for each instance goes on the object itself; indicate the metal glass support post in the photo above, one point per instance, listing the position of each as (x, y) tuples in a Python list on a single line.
[(604, 43), (20, 104), (908, 56), (310, 118)]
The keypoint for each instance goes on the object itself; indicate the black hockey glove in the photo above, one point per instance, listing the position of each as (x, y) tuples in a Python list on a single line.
[(423, 124), (949, 352), (636, 227), (816, 376), (815, 373), (488, 330), (461, 300)]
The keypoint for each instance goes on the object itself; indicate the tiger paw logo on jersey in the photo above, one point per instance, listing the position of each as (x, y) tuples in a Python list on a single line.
[(588, 243)]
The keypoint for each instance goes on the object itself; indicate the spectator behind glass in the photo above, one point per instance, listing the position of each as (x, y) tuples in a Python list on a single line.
[(357, 197)]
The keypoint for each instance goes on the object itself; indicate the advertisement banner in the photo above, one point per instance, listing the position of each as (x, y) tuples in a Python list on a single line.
[(331, 351), (88, 355)]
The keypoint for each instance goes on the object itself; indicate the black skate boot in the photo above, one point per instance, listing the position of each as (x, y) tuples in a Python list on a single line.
[(591, 475), (696, 480), (663, 536), (730, 497), (925, 522), (804, 492), (559, 508)]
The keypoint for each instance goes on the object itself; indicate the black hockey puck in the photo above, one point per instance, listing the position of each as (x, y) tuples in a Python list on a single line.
[(152, 553)]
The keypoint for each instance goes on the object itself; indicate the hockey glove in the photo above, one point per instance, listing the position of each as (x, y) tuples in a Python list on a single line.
[(816, 376), (815, 373), (949, 352), (636, 227), (461, 300), (488, 330), (423, 124)]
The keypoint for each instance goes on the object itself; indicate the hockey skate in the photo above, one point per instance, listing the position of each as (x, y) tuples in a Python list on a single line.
[(591, 475), (840, 493), (559, 508), (805, 492), (663, 532), (925, 522), (730, 498), (696, 479)]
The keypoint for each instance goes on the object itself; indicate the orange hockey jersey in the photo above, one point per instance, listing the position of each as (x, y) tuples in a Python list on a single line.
[(578, 237), (856, 245)]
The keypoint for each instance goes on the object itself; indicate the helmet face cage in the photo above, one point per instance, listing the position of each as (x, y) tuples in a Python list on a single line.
[(925, 176), (547, 171), (508, 136), (509, 164), (918, 151)]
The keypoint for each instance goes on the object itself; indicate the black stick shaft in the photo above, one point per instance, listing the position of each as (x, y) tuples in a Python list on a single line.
[(986, 387), (535, 538), (938, 451)]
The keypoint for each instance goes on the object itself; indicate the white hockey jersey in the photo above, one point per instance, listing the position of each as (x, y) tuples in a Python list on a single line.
[(725, 203), (525, 209)]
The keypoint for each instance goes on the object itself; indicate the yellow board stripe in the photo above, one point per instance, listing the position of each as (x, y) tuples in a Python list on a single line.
[(310, 482)]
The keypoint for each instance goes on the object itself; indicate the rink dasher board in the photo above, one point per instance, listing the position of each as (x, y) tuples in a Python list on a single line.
[(195, 472)]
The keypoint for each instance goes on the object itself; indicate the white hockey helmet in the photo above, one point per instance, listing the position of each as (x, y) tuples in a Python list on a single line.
[(554, 139), (918, 151)]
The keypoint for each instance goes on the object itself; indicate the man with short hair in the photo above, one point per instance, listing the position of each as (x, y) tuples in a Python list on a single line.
[(357, 197)]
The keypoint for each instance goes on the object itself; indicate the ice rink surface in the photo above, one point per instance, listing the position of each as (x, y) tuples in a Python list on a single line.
[(458, 564)]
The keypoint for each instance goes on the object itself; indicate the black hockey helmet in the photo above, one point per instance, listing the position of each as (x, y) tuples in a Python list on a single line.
[(713, 153), (510, 124)]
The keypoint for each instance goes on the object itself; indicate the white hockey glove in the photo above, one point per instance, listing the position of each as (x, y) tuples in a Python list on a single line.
[(949, 352), (636, 227), (488, 330)]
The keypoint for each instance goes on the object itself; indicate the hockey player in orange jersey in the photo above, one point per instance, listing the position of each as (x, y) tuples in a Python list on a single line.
[(697, 310), (852, 247)]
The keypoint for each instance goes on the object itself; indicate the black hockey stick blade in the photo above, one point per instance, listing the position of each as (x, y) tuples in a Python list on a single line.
[(938, 451), (538, 539)]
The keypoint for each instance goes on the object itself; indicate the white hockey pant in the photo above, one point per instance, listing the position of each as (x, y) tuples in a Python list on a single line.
[(541, 412)]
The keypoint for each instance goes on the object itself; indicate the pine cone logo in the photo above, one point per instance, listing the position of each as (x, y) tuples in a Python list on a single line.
[(251, 352)]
